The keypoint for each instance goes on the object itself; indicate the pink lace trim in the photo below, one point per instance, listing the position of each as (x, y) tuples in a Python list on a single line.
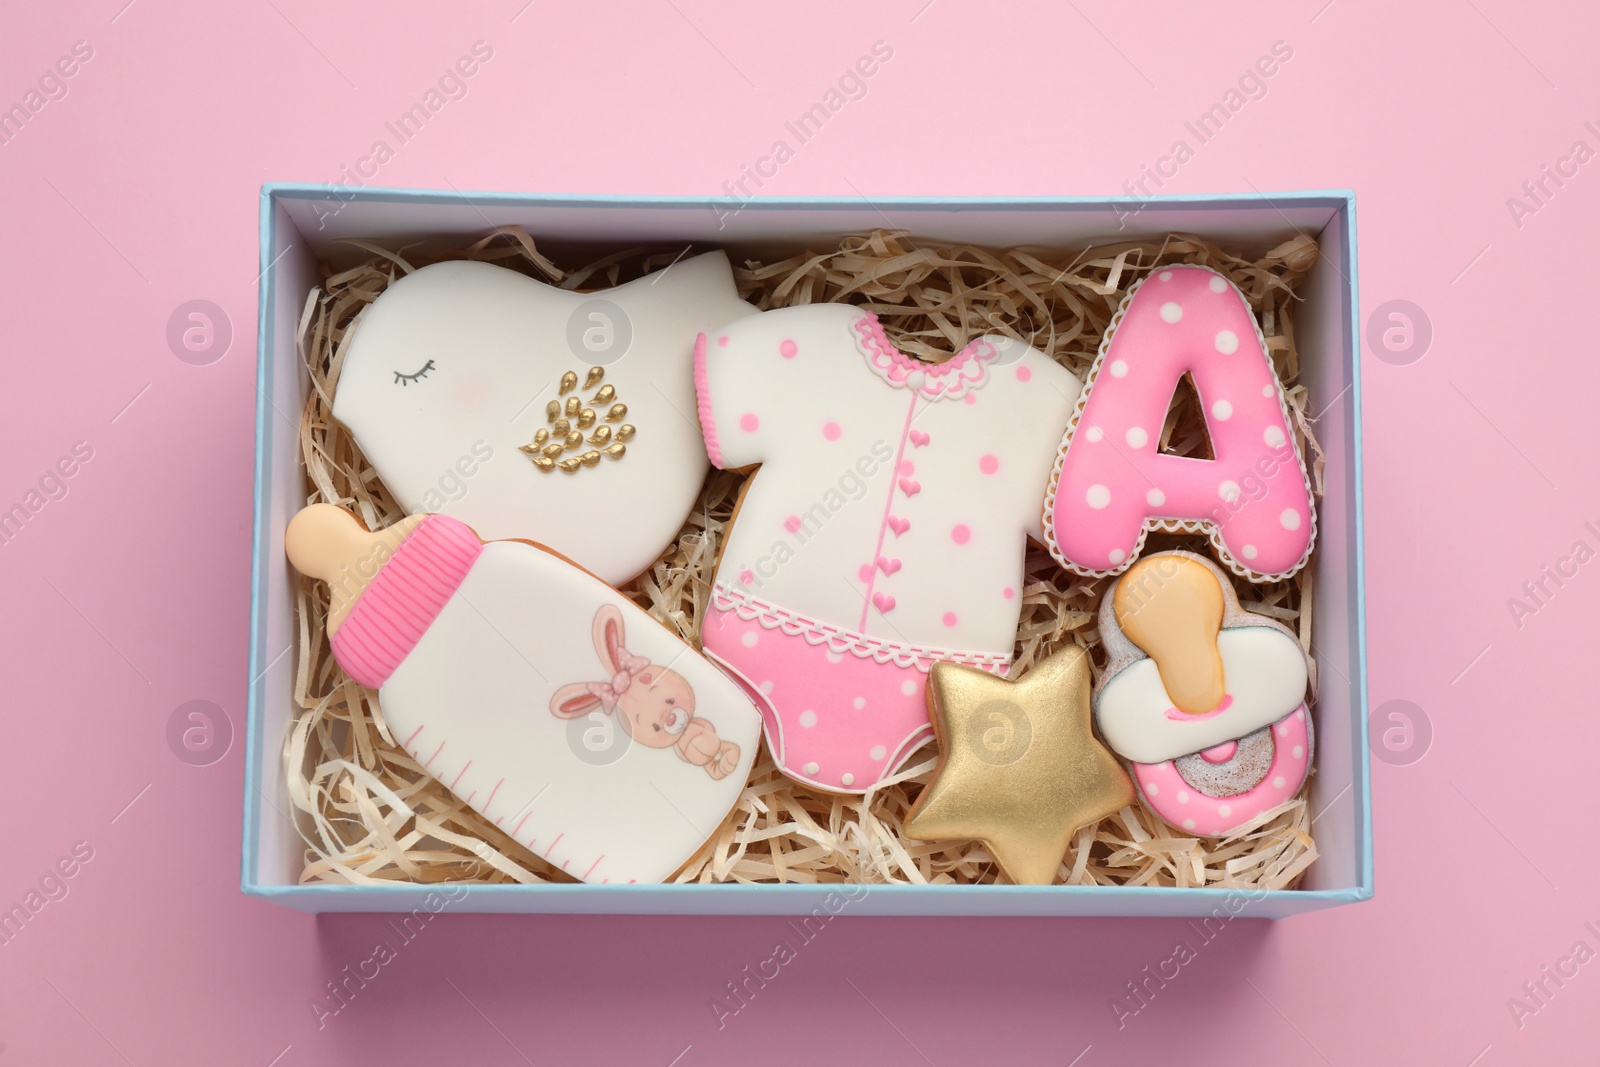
[(839, 639), (953, 378)]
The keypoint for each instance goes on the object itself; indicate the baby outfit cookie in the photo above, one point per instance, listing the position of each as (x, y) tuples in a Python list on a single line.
[(884, 531), (1205, 700), (542, 697), (530, 411), (1112, 484)]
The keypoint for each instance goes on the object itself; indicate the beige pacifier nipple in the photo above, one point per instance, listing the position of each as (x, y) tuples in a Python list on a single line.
[(1171, 607), (327, 542)]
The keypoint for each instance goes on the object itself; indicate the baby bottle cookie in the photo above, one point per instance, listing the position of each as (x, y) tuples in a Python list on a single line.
[(1206, 701), (534, 412), (546, 700)]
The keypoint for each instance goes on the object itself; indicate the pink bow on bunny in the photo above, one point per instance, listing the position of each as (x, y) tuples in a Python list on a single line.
[(610, 692)]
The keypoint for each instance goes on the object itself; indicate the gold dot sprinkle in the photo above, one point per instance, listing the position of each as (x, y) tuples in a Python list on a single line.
[(571, 419)]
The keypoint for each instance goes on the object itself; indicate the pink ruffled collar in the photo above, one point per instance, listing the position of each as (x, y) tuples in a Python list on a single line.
[(952, 379)]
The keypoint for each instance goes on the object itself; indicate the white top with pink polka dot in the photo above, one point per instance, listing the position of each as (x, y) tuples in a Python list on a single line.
[(894, 497)]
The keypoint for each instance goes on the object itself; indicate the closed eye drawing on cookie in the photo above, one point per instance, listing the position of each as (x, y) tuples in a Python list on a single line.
[(416, 376)]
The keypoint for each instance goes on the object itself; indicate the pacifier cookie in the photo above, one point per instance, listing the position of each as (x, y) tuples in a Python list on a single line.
[(546, 700), (1112, 484), (529, 411), (884, 531), (1206, 701)]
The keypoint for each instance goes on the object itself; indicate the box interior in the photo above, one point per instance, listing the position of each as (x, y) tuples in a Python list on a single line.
[(305, 225)]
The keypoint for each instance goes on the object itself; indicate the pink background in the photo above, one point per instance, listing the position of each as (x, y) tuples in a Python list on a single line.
[(138, 192)]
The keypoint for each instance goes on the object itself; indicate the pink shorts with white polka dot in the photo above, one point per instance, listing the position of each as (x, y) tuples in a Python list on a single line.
[(834, 720)]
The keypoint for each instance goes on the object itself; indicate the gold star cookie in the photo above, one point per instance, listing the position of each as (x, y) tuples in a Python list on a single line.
[(1019, 767)]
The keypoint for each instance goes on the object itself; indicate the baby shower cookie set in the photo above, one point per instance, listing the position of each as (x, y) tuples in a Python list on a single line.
[(776, 573)]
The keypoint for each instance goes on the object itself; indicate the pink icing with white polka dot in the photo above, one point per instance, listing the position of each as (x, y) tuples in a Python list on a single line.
[(834, 719), (1112, 485), (1182, 805)]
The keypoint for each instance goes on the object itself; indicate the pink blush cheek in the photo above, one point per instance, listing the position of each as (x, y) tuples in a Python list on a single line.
[(749, 422), (788, 350), (831, 431), (467, 394)]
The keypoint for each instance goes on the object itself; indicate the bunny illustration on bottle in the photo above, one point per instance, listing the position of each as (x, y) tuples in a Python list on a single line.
[(654, 705)]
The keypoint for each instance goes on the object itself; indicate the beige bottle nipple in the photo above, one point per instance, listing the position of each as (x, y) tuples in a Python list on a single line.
[(327, 542), (1171, 607)]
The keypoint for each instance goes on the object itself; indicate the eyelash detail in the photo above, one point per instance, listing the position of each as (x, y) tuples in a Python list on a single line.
[(407, 379)]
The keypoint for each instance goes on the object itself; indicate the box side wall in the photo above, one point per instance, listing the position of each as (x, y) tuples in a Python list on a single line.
[(273, 853), (786, 226), (1330, 351), (798, 900)]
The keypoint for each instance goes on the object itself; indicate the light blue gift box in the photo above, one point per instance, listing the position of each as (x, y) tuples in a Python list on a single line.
[(302, 225)]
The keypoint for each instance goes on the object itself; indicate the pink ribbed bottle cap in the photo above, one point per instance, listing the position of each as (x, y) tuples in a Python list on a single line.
[(404, 598)]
